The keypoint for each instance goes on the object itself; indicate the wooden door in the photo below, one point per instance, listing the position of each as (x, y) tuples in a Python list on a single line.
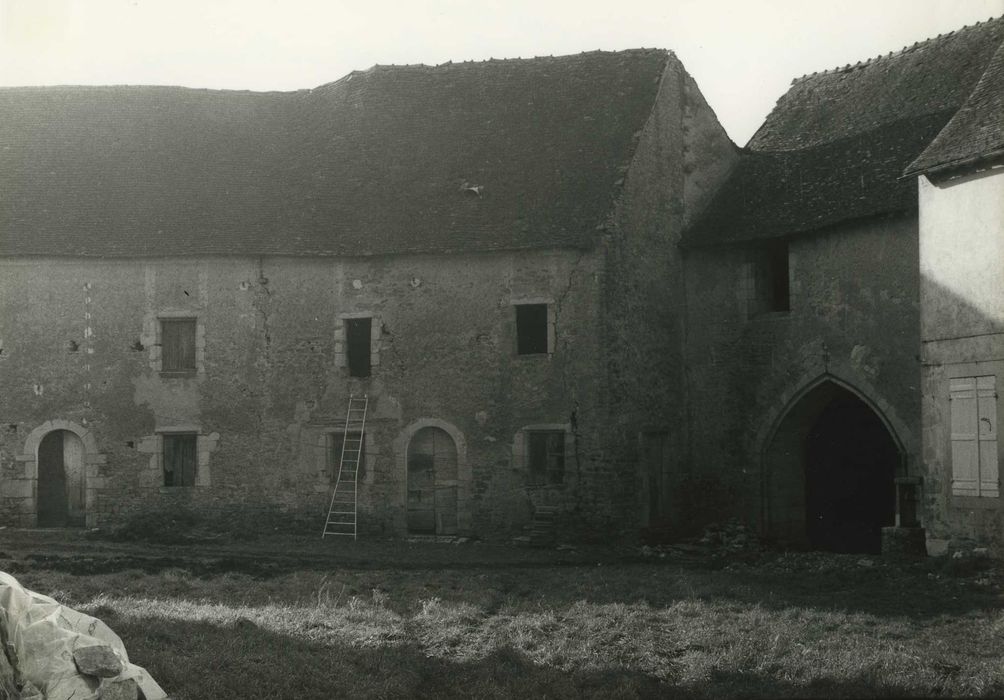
[(53, 504)]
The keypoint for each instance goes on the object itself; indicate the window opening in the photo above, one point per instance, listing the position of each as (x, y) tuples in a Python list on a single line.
[(177, 341), (335, 452), (531, 329), (180, 459), (357, 332), (546, 457)]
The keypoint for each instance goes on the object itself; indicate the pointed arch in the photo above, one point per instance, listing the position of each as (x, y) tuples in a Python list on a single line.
[(829, 458)]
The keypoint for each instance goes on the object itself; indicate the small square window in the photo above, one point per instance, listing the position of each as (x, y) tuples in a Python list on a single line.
[(546, 456), (531, 329), (358, 340), (177, 344), (356, 441), (180, 459)]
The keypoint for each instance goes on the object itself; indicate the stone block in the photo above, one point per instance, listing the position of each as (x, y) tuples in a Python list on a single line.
[(909, 541), (118, 689), (98, 660)]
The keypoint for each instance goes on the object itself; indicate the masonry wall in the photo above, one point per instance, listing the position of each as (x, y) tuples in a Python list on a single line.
[(853, 319), (962, 335), (682, 156), (80, 351)]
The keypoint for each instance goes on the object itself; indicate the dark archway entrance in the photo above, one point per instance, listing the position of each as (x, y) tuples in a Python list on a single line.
[(61, 480), (830, 470)]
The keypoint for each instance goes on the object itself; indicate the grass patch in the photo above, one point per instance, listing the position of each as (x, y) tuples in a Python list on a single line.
[(372, 622)]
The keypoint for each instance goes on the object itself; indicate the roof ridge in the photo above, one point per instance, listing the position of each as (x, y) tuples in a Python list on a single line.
[(909, 48)]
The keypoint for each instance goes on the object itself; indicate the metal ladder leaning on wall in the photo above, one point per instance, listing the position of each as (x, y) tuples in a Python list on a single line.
[(343, 509)]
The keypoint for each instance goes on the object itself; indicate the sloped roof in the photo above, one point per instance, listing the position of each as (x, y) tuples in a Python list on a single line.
[(836, 144), (374, 163), (976, 131)]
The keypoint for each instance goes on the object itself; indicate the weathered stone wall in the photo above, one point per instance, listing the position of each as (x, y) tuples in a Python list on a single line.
[(853, 319), (962, 335), (80, 347), (682, 156)]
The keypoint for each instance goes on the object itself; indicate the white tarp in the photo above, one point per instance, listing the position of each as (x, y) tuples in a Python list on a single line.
[(41, 635)]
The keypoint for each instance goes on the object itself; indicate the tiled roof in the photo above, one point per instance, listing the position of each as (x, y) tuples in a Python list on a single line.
[(976, 131), (836, 144), (502, 154)]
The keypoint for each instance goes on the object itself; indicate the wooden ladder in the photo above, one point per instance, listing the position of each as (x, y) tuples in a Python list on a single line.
[(344, 507)]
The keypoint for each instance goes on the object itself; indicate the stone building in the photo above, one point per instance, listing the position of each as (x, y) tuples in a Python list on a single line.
[(961, 189), (193, 283), (557, 280), (805, 279)]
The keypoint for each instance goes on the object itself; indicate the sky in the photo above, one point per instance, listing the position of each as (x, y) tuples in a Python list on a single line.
[(743, 54)]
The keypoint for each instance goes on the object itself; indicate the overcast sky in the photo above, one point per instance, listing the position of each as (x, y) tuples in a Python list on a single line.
[(743, 53)]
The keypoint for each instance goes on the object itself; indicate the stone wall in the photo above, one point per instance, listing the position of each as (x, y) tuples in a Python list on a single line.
[(80, 349), (853, 321), (683, 154)]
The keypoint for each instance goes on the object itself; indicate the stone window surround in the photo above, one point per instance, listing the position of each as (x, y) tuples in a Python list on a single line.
[(521, 448), (151, 338), (369, 450), (551, 319), (24, 488), (153, 445), (341, 342)]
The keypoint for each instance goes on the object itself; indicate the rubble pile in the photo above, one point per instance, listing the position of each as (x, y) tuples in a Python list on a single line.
[(729, 538), (51, 652)]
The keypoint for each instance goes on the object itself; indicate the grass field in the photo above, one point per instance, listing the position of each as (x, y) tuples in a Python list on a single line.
[(305, 619)]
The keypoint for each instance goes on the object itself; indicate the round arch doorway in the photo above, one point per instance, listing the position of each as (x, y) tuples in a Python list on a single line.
[(61, 481), (830, 473), (432, 482)]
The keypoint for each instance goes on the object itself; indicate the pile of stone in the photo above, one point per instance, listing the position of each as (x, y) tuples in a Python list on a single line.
[(718, 539), (52, 652)]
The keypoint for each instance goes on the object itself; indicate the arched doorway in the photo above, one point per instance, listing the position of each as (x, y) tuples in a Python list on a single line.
[(61, 481), (830, 473), (432, 482)]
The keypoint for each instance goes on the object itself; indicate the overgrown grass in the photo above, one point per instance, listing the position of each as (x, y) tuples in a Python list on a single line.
[(785, 626)]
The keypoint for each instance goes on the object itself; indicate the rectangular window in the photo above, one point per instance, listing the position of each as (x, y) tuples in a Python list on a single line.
[(532, 329), (180, 459), (546, 456), (973, 403), (769, 284), (779, 292), (355, 441), (357, 338), (177, 344)]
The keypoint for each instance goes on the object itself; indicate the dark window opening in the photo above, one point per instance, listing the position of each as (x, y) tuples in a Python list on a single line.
[(546, 457), (531, 329), (357, 338), (177, 344), (180, 459), (355, 441), (779, 291)]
